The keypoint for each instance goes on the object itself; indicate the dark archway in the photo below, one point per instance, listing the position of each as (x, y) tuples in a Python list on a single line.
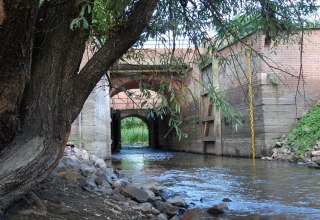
[(152, 124)]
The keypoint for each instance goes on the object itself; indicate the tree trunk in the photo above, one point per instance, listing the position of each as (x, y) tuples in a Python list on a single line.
[(16, 38), (42, 92)]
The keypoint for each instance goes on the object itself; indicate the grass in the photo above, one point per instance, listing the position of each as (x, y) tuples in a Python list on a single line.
[(134, 130), (307, 131)]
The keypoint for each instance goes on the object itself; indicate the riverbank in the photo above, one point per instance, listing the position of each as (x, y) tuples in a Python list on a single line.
[(302, 144), (82, 186), (281, 150)]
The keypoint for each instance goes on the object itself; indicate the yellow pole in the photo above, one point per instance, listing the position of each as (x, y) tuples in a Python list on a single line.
[(251, 103)]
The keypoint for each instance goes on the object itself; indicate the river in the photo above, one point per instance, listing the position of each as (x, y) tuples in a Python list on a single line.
[(260, 190)]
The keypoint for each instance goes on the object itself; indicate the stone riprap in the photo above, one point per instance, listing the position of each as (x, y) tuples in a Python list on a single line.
[(282, 151), (92, 174)]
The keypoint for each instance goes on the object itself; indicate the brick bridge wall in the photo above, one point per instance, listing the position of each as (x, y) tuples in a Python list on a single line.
[(277, 105)]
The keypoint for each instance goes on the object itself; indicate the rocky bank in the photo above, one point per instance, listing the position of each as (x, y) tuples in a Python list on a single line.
[(281, 150), (82, 186)]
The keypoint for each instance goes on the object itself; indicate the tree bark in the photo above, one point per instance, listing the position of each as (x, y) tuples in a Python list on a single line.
[(16, 38), (48, 92)]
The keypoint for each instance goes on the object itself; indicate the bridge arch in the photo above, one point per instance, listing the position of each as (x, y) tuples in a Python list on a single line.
[(127, 77), (152, 124)]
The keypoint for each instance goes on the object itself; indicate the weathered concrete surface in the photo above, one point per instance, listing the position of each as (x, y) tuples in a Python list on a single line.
[(91, 130)]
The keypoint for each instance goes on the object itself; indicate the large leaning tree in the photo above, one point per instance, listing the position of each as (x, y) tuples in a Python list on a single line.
[(41, 46)]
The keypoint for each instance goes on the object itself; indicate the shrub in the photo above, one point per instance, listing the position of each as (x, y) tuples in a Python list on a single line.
[(134, 130)]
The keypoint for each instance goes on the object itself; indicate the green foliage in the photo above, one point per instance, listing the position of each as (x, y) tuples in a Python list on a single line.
[(307, 131), (134, 130), (81, 20)]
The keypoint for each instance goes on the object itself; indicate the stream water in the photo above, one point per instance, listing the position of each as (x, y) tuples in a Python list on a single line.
[(264, 190)]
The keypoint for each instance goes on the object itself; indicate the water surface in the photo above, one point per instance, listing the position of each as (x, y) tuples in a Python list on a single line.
[(264, 190)]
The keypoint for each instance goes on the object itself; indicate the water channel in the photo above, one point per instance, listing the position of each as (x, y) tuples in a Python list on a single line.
[(264, 190)]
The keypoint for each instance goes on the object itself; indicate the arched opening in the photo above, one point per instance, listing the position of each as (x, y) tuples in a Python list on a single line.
[(135, 132), (134, 99)]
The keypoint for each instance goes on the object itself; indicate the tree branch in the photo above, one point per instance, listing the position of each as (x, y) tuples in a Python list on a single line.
[(128, 33)]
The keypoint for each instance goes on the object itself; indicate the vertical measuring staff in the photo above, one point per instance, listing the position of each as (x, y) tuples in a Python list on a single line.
[(248, 52)]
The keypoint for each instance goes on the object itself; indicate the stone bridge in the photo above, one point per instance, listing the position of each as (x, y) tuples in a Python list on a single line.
[(276, 105)]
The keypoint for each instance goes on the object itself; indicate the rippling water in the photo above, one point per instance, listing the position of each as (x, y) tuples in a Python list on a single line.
[(264, 190)]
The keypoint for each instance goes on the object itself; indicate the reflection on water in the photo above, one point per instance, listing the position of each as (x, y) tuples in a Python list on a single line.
[(266, 190)]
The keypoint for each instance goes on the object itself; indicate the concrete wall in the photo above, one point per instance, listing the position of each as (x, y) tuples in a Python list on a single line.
[(92, 130)]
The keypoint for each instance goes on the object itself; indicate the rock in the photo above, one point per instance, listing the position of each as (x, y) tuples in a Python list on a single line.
[(68, 162), (218, 209), (226, 200), (317, 146), (151, 196), (144, 207), (120, 184), (267, 158), (135, 193), (90, 185), (119, 197), (100, 163), (181, 211), (278, 144), (81, 181), (86, 170), (150, 193), (285, 150), (313, 159), (275, 155), (157, 190), (61, 175), (93, 157), (313, 165), (294, 148), (154, 198), (111, 178), (162, 216), (174, 218), (166, 207), (177, 201), (118, 173), (102, 177), (106, 184), (155, 211), (67, 151), (71, 175), (316, 160), (105, 190), (315, 153), (77, 152), (85, 155)]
